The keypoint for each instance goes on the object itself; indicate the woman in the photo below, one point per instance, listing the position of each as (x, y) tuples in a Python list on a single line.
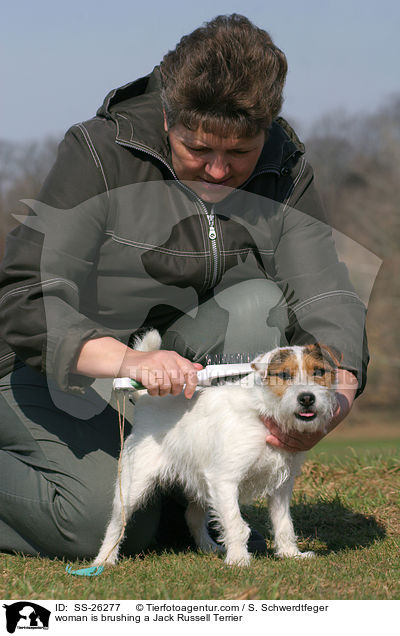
[(184, 205)]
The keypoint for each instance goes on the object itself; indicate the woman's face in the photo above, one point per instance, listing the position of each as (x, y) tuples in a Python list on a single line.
[(213, 164)]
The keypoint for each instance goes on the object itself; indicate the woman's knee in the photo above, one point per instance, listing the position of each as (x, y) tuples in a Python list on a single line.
[(83, 527)]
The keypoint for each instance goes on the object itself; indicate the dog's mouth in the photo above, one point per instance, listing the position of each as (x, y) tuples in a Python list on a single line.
[(306, 416)]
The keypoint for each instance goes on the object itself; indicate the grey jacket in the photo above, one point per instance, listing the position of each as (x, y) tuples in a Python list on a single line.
[(115, 242)]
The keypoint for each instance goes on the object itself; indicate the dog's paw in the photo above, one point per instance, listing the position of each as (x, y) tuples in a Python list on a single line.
[(238, 558), (211, 547), (109, 561), (294, 553), (305, 555)]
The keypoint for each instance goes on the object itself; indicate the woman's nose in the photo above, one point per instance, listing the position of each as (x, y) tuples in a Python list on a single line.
[(217, 168)]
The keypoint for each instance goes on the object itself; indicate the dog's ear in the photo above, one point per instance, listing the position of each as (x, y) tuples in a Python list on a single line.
[(331, 355), (325, 353), (260, 365)]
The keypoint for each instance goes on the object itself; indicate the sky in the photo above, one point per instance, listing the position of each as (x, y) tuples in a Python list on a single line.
[(60, 59)]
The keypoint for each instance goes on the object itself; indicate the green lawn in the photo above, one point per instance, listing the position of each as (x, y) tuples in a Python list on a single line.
[(345, 507), (347, 448)]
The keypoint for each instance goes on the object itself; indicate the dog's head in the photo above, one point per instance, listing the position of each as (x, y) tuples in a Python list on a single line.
[(300, 383)]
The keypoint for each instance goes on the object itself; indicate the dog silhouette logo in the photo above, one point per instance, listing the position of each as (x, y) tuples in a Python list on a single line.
[(26, 615)]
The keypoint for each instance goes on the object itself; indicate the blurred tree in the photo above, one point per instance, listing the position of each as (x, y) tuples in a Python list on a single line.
[(357, 170), (23, 168)]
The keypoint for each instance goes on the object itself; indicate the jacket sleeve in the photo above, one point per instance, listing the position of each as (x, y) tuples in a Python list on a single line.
[(49, 259), (320, 302)]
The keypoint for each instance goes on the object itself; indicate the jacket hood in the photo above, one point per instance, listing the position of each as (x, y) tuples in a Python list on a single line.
[(137, 111)]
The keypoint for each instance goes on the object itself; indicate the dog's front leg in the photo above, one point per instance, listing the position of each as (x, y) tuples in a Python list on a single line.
[(284, 537), (224, 502)]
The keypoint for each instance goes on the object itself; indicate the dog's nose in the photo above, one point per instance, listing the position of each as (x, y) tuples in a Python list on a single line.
[(306, 399)]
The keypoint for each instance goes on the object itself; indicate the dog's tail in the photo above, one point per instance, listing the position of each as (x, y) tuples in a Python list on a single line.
[(151, 341)]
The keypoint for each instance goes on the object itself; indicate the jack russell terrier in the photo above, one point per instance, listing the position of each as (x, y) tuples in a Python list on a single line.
[(214, 446)]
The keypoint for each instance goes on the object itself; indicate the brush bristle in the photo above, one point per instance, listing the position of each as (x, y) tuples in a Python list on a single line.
[(229, 358)]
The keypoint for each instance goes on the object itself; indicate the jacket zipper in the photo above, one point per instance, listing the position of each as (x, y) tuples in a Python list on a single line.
[(212, 234)]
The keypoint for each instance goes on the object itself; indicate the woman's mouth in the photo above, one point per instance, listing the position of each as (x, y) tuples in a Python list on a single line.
[(214, 184)]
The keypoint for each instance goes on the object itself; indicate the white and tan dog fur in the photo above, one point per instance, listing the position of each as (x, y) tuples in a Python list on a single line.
[(214, 446)]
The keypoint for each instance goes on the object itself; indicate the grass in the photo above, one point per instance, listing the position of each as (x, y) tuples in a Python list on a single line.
[(340, 448), (345, 507)]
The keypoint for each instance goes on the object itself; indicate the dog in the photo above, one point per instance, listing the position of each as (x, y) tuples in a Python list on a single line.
[(214, 446)]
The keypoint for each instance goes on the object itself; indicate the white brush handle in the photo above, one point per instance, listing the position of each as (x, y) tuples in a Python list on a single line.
[(204, 376)]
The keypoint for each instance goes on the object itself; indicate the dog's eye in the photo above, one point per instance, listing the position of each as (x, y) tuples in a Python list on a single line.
[(284, 375), (319, 373)]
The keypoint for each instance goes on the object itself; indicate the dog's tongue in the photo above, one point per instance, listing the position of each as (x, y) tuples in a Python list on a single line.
[(307, 414)]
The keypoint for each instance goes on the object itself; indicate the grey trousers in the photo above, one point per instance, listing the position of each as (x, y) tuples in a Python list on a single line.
[(59, 452), (57, 473)]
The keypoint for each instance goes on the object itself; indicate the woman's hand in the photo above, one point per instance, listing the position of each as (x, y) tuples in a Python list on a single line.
[(161, 372)]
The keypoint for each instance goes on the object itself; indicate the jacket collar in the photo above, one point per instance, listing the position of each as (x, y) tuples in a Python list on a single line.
[(136, 109)]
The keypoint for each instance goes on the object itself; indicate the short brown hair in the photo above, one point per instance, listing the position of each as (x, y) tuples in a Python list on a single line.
[(226, 76)]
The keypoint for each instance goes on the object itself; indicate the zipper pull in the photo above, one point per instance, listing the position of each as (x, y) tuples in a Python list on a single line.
[(211, 230)]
